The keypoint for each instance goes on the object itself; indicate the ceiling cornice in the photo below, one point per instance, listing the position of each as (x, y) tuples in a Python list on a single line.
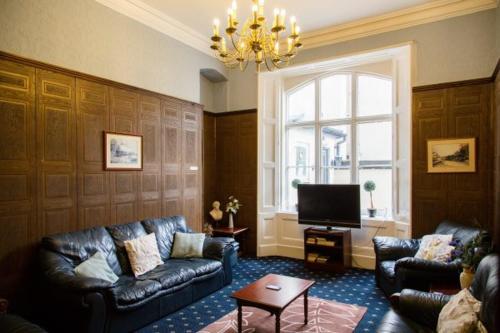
[(436, 10), (430, 12), (157, 20)]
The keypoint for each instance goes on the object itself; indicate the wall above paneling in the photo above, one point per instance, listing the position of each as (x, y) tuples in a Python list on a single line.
[(52, 178)]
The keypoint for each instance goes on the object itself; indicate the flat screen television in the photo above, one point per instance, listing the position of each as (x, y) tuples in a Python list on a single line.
[(329, 205)]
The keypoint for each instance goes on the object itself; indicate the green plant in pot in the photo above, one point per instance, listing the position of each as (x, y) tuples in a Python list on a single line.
[(369, 187), (295, 185)]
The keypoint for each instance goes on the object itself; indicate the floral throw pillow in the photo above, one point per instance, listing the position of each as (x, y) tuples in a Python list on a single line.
[(143, 254), (435, 247)]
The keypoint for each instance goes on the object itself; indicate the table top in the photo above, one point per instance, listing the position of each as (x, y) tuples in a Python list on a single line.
[(257, 292), (229, 231)]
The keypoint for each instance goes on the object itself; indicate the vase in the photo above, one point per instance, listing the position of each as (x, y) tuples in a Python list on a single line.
[(231, 221), (372, 212), (466, 277)]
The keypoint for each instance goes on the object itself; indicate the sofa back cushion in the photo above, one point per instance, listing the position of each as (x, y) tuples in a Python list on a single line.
[(485, 288), (459, 231), (79, 246), (165, 229), (122, 233)]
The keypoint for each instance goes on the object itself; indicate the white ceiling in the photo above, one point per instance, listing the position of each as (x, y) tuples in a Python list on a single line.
[(311, 15)]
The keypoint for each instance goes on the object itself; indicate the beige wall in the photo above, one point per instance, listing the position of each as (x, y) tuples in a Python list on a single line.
[(456, 49), (85, 36), (206, 94)]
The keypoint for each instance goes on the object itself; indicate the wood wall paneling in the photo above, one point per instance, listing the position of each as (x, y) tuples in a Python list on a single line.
[(52, 178), (235, 171), (17, 172), (209, 164), (462, 111)]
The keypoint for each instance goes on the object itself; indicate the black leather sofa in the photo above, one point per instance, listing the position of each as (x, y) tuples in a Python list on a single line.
[(417, 311), (69, 303), (396, 268)]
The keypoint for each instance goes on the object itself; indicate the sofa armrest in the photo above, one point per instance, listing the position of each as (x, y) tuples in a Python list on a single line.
[(422, 307), (59, 272), (216, 248), (392, 248), (412, 263)]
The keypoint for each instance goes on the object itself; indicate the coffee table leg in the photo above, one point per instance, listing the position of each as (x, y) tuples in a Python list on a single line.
[(278, 324), (306, 304), (240, 318)]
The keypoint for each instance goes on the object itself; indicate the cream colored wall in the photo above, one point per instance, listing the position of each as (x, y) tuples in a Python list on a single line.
[(85, 36), (456, 49), (206, 94)]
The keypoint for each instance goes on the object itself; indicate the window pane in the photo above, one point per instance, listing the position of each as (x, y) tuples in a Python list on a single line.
[(375, 164), (335, 97), (300, 161), (374, 96), (301, 104), (304, 175), (335, 154), (301, 147)]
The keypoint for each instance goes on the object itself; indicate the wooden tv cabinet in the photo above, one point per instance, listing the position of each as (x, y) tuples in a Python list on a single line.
[(328, 250)]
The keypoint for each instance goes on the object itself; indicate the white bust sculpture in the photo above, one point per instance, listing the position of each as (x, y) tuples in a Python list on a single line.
[(216, 213)]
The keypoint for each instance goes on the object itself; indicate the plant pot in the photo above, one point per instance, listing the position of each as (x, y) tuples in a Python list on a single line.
[(372, 212), (466, 277), (231, 221)]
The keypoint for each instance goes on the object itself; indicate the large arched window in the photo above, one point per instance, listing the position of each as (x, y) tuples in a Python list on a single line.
[(338, 129)]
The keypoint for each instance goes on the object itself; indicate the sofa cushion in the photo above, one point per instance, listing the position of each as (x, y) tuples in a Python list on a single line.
[(78, 246), (171, 274), (122, 233), (165, 229), (387, 268), (130, 291), (460, 232), (96, 267), (201, 266), (188, 245), (143, 254)]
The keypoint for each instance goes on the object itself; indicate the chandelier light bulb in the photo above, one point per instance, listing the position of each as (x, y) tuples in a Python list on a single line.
[(234, 5)]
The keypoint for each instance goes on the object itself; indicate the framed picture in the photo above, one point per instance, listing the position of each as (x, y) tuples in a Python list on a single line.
[(451, 155), (122, 151)]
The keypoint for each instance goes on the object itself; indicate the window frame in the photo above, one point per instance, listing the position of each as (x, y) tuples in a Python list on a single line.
[(318, 123)]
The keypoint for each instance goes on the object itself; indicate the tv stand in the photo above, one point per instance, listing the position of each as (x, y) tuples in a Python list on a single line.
[(327, 249)]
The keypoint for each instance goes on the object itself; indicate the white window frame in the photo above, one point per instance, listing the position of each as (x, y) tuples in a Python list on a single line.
[(317, 123)]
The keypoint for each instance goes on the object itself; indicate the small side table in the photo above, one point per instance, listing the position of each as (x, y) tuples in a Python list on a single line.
[(238, 233)]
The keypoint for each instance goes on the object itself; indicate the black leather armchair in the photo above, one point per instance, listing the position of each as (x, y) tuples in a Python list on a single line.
[(396, 268), (417, 311)]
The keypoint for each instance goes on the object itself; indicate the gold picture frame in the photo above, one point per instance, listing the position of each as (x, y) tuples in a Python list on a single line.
[(451, 155)]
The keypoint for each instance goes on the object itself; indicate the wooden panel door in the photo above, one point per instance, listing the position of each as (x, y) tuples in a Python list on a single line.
[(150, 179), (172, 157), (191, 165), (124, 119), (17, 176), (93, 182), (56, 152)]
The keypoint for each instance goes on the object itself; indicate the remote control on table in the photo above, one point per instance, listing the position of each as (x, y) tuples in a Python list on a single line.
[(273, 287)]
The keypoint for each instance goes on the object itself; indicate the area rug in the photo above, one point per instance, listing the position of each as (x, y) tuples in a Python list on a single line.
[(324, 316)]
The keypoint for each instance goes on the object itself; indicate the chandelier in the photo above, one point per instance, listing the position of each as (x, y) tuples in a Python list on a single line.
[(255, 40)]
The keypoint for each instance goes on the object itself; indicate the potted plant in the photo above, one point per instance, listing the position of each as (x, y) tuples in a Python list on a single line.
[(370, 186), (470, 255), (232, 207), (295, 185)]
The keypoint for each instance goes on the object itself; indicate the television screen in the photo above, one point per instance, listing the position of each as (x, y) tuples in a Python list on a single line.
[(329, 205)]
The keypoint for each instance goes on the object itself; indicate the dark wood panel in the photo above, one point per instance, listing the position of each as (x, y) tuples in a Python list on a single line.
[(457, 111), (209, 164), (235, 171), (18, 228), (56, 152)]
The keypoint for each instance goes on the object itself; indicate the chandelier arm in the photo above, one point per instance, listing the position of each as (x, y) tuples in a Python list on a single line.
[(232, 41)]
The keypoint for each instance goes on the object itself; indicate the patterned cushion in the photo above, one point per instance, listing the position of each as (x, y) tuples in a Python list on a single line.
[(435, 247), (460, 314), (143, 254)]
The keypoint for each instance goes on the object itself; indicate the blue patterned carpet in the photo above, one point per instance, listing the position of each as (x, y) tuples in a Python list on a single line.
[(356, 286)]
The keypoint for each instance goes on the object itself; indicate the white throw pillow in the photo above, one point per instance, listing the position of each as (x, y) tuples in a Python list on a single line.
[(435, 247), (188, 245), (143, 254), (96, 267), (460, 314)]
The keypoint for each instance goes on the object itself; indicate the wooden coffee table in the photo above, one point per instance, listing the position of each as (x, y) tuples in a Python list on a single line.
[(275, 301)]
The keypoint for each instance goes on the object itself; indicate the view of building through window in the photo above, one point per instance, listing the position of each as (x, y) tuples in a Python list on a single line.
[(341, 136)]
